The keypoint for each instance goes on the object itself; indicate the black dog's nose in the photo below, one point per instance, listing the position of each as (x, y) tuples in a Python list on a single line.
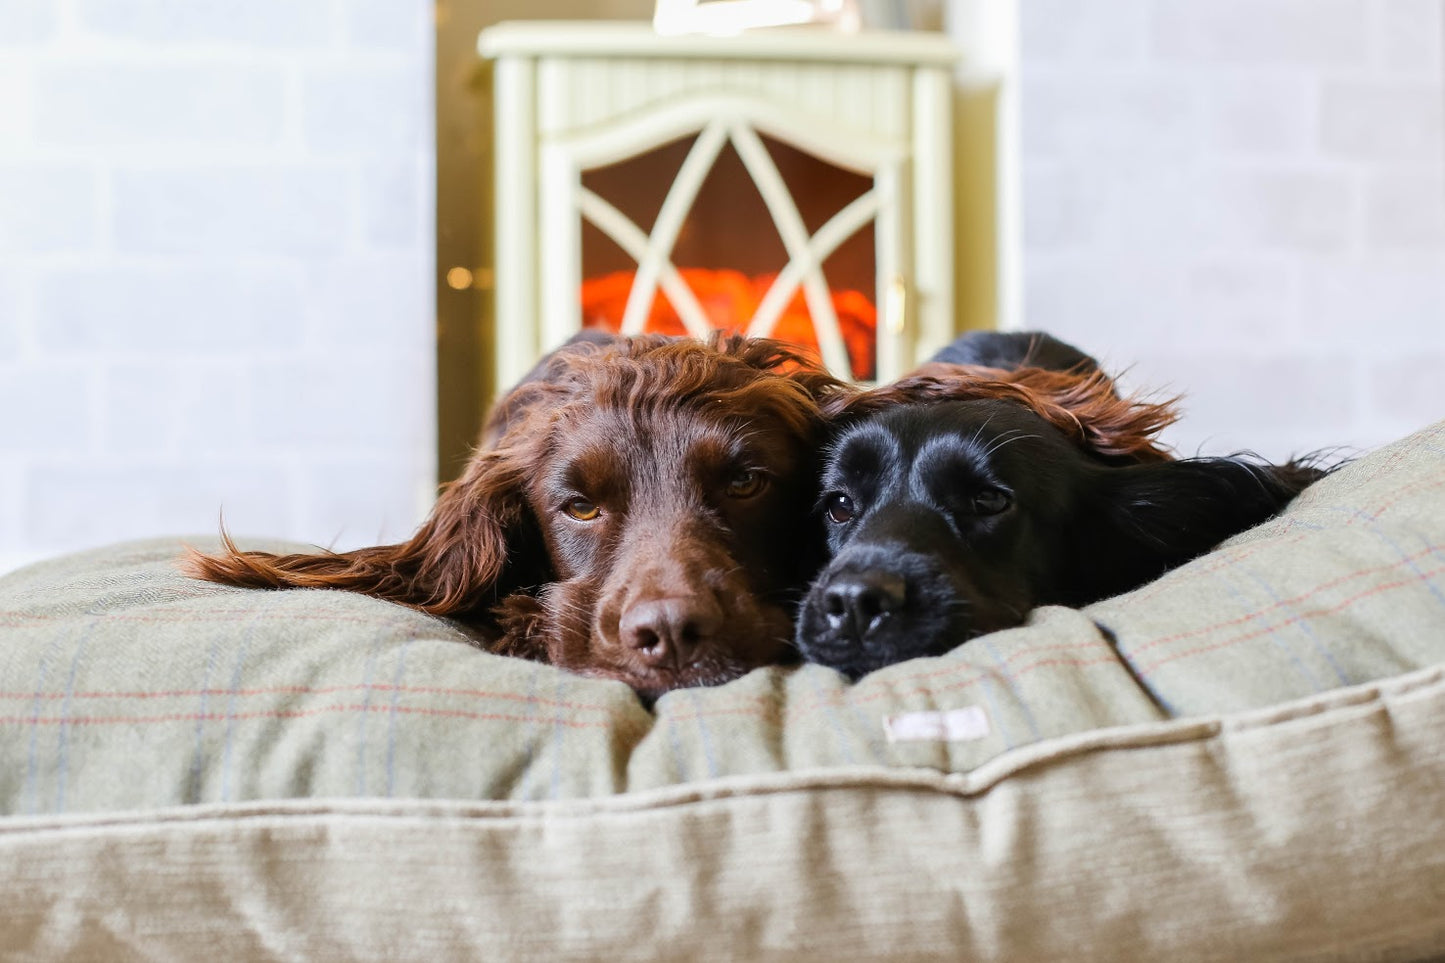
[(855, 603)]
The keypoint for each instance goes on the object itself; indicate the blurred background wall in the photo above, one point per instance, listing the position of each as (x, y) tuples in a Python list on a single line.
[(219, 270), (1245, 200), (216, 269)]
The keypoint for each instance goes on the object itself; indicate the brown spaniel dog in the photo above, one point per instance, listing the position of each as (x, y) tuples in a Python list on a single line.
[(639, 510)]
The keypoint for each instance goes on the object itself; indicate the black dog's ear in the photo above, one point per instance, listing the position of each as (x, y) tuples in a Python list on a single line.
[(1154, 517)]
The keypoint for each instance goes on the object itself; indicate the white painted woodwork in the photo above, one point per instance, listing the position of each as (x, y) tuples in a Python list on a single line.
[(574, 96)]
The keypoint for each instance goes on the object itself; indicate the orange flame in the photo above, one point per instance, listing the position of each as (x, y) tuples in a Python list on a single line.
[(730, 299)]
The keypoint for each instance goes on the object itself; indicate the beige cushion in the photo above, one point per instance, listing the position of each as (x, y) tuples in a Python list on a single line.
[(1314, 832), (1242, 760)]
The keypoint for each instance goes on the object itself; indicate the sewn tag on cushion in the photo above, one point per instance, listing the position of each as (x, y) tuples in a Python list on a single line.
[(937, 726)]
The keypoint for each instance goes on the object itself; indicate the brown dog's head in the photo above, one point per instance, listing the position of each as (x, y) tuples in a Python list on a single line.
[(640, 511)]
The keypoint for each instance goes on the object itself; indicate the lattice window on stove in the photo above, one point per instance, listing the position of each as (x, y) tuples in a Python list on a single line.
[(726, 213)]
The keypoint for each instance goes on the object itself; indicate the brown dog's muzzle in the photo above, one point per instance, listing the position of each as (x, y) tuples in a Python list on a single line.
[(686, 614), (670, 633)]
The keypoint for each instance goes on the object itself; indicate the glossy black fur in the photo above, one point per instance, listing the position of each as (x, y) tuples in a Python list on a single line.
[(968, 514), (1015, 349)]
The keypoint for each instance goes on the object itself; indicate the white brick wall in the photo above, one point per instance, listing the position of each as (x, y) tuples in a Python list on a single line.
[(215, 270), (216, 243), (1244, 200)]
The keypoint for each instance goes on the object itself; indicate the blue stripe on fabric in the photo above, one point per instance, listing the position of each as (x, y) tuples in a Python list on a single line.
[(872, 731), (679, 756), (32, 766), (232, 702), (392, 714), (995, 709), (1273, 633), (1111, 639), (708, 754), (198, 756), (532, 735), (364, 716), (1013, 687), (559, 735), (1410, 563), (835, 724), (1372, 525), (63, 737), (1297, 620)]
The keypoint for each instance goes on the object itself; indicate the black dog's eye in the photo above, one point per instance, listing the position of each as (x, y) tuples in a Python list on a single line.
[(839, 507), (990, 501)]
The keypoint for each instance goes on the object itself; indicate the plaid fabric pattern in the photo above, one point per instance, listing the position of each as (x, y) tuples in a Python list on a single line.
[(124, 685)]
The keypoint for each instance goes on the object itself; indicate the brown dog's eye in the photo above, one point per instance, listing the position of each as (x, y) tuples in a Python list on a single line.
[(581, 509), (990, 501), (746, 484), (839, 508)]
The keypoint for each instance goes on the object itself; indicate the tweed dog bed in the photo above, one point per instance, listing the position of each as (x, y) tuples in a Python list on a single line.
[(1244, 759)]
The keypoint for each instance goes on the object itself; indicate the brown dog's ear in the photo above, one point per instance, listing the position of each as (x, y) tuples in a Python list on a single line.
[(1083, 404), (462, 557), (478, 544)]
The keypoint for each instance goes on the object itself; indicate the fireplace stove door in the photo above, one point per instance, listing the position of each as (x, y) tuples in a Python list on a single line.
[(796, 188), (726, 213)]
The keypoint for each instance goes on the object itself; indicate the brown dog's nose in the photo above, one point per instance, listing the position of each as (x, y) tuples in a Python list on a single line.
[(856, 603), (668, 632)]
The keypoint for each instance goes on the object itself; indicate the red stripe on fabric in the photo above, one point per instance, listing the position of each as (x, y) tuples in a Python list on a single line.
[(307, 690), (761, 706), (1032, 652), (209, 615), (1283, 539), (1211, 563), (976, 674), (1405, 451), (1227, 559), (290, 714), (1423, 484), (1008, 661), (1292, 620), (842, 700), (980, 674), (1316, 590)]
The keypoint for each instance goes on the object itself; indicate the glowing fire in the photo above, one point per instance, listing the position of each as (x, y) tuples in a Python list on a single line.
[(730, 299)]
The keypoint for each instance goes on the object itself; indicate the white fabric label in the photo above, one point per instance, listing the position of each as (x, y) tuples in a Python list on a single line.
[(953, 725)]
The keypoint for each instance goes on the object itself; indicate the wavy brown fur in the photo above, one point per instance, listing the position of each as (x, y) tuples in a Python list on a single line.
[(446, 568), (1084, 404), (489, 551)]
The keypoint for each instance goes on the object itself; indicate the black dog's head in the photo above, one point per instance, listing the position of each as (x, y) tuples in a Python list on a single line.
[(954, 518)]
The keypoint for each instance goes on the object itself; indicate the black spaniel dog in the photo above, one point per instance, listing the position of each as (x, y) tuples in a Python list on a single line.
[(961, 497)]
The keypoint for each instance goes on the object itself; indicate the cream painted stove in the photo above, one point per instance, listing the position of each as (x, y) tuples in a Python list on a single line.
[(793, 183)]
